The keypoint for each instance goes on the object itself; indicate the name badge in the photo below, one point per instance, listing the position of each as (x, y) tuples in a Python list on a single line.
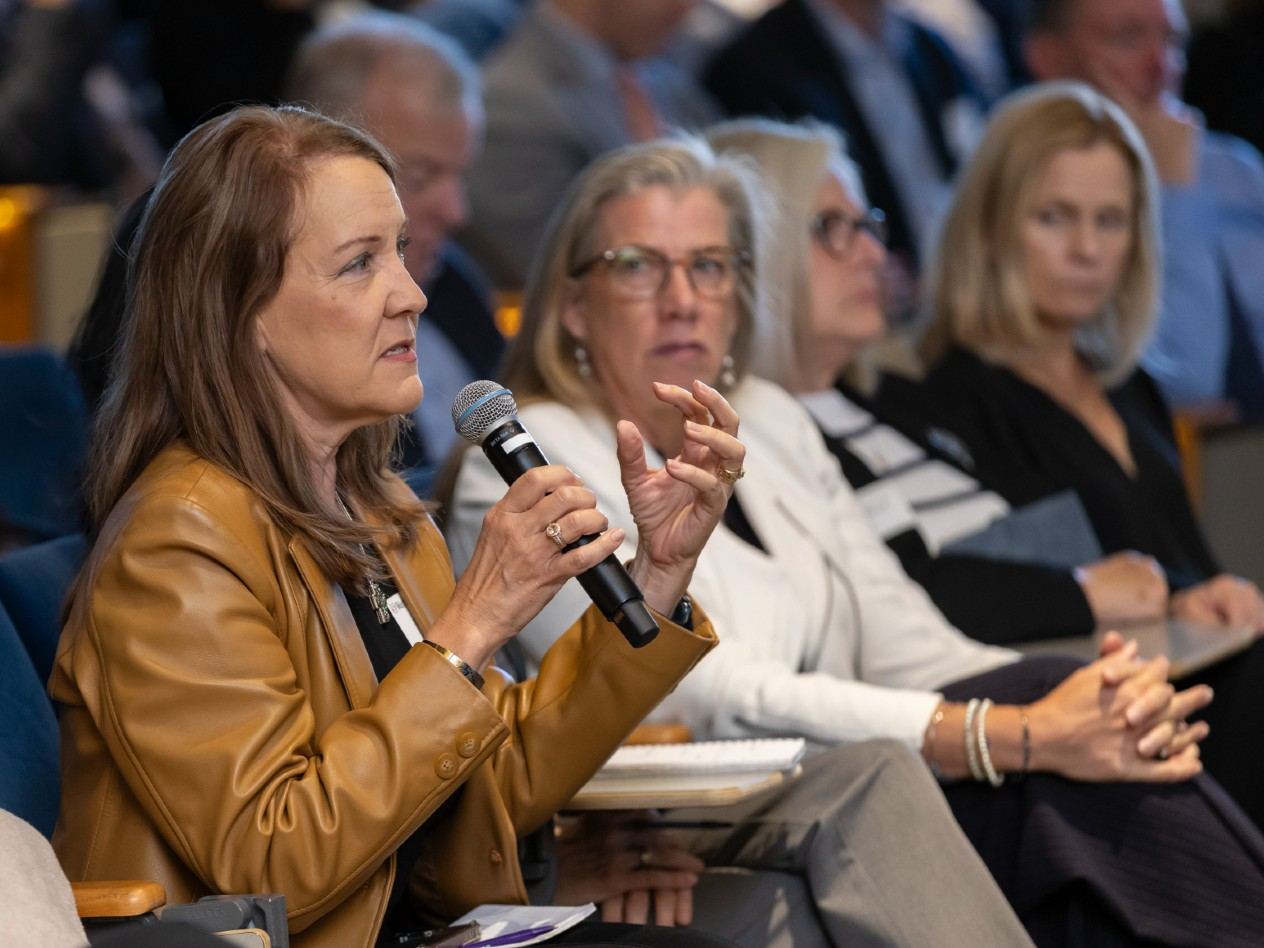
[(404, 619)]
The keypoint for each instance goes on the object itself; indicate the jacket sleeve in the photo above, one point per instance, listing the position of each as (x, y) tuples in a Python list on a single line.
[(591, 691), (1001, 602), (183, 667)]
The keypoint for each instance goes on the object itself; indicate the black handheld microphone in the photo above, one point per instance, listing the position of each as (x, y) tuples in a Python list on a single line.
[(486, 414)]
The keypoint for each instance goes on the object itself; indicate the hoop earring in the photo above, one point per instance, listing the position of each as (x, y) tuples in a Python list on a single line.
[(582, 364), (728, 374)]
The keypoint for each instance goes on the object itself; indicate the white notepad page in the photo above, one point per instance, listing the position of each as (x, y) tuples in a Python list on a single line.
[(705, 757)]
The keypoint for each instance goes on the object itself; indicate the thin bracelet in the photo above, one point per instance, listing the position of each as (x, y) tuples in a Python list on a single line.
[(985, 753), (468, 671), (928, 738), (1026, 764), (972, 750)]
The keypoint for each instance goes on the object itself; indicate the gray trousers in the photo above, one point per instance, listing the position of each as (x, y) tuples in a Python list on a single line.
[(861, 849)]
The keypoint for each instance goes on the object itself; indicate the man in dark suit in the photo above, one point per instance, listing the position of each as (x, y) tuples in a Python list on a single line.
[(418, 94), (910, 111)]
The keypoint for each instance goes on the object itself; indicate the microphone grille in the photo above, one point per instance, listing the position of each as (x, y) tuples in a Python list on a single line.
[(480, 407)]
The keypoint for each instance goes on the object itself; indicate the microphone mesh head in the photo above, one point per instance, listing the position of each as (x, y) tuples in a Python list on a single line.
[(481, 407)]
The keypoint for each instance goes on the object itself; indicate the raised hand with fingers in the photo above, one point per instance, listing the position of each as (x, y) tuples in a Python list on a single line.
[(676, 507)]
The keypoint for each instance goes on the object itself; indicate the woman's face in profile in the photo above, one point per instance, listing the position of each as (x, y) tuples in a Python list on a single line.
[(339, 334), (1076, 233), (844, 272), (643, 319)]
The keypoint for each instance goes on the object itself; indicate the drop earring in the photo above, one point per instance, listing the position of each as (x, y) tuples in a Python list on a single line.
[(728, 376), (582, 365)]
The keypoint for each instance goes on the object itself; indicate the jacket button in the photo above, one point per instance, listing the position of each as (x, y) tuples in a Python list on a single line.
[(446, 766), (467, 744), (495, 857)]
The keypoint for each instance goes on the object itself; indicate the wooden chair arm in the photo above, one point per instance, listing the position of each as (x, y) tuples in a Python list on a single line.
[(666, 733), (117, 899)]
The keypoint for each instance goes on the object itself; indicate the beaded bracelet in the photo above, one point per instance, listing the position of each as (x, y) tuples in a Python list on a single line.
[(972, 750), (985, 754)]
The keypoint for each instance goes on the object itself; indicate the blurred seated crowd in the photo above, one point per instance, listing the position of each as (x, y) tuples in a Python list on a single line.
[(866, 334)]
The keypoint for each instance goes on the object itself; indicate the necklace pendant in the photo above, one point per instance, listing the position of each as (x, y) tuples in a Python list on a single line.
[(380, 608)]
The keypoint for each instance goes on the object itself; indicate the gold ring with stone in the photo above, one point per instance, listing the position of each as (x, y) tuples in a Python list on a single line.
[(554, 533), (730, 477)]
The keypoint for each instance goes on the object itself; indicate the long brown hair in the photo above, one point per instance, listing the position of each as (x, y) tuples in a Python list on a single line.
[(210, 254)]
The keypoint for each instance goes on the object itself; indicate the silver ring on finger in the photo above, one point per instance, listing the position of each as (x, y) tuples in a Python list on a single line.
[(554, 533)]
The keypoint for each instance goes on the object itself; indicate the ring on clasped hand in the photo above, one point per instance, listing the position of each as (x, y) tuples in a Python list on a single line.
[(554, 533), (730, 477)]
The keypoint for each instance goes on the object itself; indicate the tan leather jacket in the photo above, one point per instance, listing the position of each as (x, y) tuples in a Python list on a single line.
[(223, 730)]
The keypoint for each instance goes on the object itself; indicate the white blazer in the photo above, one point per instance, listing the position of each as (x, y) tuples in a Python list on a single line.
[(824, 635)]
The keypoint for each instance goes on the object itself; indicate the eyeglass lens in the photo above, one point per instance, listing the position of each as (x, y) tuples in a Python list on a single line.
[(643, 271), (838, 230)]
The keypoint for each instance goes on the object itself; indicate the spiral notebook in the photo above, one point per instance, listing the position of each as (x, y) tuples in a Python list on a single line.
[(702, 773)]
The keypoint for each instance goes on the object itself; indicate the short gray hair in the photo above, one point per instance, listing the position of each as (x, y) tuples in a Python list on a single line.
[(333, 65)]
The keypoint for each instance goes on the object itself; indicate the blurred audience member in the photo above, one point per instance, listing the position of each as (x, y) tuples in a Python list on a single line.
[(46, 47), (650, 274), (983, 565), (64, 115), (1210, 332), (417, 93), (1043, 295), (575, 80), (909, 108), (1225, 76)]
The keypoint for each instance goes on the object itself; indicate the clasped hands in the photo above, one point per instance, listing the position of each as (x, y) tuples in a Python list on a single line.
[(636, 872), (1119, 719)]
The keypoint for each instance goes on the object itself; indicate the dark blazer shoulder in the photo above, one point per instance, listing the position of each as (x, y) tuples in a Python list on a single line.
[(748, 73)]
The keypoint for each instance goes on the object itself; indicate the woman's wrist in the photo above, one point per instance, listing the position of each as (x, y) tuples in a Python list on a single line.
[(662, 588), (464, 636), (1006, 736)]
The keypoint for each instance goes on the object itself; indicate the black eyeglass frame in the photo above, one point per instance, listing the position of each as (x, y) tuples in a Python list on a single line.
[(738, 261), (873, 222)]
